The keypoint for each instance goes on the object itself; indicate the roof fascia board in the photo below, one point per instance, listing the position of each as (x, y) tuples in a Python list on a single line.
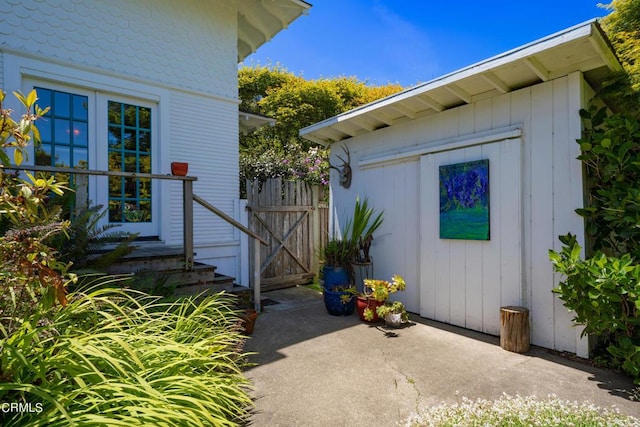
[(531, 49)]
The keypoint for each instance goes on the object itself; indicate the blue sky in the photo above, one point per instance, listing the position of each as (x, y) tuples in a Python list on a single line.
[(412, 41)]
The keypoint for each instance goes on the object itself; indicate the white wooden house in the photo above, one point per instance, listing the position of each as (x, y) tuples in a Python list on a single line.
[(135, 86), (519, 110)]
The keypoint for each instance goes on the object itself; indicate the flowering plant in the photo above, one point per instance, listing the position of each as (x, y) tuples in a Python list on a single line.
[(311, 167), (395, 307), (380, 290)]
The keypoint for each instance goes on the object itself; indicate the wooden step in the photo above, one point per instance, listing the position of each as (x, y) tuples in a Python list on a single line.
[(149, 258), (166, 264), (219, 283)]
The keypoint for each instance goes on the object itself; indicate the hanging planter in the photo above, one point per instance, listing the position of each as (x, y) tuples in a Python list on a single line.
[(179, 168)]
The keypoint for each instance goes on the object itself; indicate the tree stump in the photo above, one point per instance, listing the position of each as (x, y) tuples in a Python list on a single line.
[(514, 329)]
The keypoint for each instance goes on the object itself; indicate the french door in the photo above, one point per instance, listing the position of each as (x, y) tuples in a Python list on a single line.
[(85, 129), (127, 143)]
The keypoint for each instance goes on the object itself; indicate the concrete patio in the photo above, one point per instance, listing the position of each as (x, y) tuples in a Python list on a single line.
[(314, 369)]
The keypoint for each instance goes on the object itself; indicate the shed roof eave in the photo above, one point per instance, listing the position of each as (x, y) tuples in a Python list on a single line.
[(255, 29), (451, 82)]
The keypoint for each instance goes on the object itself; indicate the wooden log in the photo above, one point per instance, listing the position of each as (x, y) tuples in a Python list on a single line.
[(514, 329)]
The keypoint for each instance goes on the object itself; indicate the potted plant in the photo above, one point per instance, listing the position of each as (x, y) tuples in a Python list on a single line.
[(340, 254), (394, 313), (337, 257), (375, 294)]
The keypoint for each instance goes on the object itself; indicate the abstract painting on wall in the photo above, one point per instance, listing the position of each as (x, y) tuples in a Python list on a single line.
[(464, 201)]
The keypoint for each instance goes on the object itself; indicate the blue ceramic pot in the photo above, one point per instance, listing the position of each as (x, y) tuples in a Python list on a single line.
[(335, 276), (335, 306)]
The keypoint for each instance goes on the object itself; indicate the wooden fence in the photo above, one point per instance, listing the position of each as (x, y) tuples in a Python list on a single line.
[(291, 217)]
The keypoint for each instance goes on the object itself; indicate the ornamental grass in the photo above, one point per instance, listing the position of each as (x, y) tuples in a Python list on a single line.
[(117, 357)]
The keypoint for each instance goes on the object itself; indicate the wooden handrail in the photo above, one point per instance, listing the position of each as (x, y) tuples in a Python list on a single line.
[(187, 207), (227, 218), (187, 185), (78, 171), (257, 240)]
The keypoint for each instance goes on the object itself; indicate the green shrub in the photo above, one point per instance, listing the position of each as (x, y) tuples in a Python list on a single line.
[(603, 289), (118, 357), (31, 275), (604, 293)]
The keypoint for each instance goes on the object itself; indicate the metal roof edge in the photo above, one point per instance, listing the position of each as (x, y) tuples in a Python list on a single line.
[(585, 29)]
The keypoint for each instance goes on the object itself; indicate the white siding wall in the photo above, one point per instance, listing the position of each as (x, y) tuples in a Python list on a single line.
[(190, 44), (205, 134), (551, 190), (181, 56)]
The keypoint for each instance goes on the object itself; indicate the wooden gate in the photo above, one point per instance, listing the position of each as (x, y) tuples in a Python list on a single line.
[(290, 217)]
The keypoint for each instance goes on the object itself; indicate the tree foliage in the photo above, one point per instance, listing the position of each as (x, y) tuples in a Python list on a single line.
[(295, 103), (622, 26)]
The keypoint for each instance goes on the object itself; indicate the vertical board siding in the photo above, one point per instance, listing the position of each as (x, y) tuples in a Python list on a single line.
[(564, 157), (540, 153), (471, 282), (465, 283)]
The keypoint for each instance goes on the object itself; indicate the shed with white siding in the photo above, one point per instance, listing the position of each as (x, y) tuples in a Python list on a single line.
[(518, 110)]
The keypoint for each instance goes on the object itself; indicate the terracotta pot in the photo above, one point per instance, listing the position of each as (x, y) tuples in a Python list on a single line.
[(179, 168), (249, 320), (363, 303)]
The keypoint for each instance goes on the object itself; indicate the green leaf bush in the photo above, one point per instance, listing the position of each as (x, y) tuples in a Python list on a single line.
[(603, 289)]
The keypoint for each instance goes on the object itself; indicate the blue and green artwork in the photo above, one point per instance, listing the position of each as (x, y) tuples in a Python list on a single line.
[(464, 201)]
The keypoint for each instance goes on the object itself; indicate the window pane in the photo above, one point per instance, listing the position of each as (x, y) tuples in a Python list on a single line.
[(80, 158), (114, 113), (115, 161), (62, 132), (129, 139), (115, 211), (145, 117), (144, 164), (114, 137), (130, 188), (145, 188), (44, 126), (144, 141), (130, 164), (130, 113), (61, 104), (80, 134), (145, 208), (115, 186), (63, 156), (43, 155), (44, 98), (80, 107)]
